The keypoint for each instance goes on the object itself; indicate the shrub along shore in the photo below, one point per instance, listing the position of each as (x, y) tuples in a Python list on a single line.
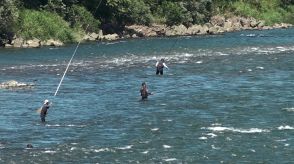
[(36, 23), (217, 25)]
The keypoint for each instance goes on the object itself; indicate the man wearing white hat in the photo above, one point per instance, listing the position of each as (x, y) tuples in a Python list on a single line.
[(44, 109)]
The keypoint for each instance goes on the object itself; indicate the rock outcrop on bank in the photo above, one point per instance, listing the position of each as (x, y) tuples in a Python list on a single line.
[(12, 84), (19, 42), (217, 25)]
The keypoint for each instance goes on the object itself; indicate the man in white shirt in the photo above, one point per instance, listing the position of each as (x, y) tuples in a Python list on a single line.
[(159, 67)]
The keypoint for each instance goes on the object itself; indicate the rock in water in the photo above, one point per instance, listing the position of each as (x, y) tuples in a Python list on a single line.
[(12, 84)]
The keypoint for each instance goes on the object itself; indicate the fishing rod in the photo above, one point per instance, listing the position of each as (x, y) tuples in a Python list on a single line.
[(74, 53)]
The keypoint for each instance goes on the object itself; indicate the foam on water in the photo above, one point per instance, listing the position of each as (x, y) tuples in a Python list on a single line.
[(125, 147), (286, 127), (239, 130), (166, 146), (49, 152), (170, 159), (154, 129), (202, 138), (69, 125), (291, 109), (103, 150), (131, 60)]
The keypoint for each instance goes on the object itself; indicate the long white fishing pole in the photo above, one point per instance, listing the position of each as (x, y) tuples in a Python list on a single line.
[(67, 68), (57, 89)]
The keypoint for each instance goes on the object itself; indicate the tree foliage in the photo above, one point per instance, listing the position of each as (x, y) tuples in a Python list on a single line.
[(8, 18), (80, 17), (175, 13), (44, 25), (130, 11), (112, 15)]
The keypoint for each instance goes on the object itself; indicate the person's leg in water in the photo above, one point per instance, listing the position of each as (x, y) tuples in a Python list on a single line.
[(144, 97), (43, 119), (157, 71)]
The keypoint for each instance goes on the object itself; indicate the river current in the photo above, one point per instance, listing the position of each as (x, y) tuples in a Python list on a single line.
[(225, 99)]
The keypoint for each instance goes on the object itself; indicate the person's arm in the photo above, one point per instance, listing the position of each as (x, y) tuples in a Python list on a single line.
[(165, 65), (156, 64)]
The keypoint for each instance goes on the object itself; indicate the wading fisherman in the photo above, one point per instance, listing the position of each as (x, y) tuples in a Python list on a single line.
[(144, 91), (160, 65), (44, 109)]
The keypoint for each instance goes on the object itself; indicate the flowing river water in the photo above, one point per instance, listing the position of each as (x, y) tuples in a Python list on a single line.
[(225, 99)]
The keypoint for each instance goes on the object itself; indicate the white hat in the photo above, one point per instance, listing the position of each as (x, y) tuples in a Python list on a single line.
[(46, 101)]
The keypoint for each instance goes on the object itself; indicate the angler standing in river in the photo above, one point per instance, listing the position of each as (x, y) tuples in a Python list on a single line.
[(44, 109), (144, 91), (160, 65)]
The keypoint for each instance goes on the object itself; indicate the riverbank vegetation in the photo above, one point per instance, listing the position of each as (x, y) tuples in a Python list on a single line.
[(69, 20)]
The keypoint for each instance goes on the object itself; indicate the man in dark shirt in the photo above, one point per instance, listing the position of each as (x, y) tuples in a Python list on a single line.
[(44, 109), (144, 91)]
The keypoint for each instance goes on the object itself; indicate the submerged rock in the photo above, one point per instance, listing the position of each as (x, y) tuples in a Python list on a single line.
[(12, 84)]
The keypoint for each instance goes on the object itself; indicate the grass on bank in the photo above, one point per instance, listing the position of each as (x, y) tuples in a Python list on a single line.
[(269, 11), (45, 25)]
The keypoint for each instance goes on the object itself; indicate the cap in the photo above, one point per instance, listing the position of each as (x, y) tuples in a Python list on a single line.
[(46, 101)]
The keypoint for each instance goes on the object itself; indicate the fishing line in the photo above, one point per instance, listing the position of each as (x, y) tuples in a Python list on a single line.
[(74, 53), (173, 46)]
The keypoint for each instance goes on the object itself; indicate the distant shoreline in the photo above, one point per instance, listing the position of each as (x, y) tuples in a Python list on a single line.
[(217, 25)]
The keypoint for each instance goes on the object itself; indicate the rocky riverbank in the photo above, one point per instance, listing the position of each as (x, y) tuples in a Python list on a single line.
[(216, 25)]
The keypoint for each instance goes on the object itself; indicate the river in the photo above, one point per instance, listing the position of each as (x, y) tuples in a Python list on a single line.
[(225, 99)]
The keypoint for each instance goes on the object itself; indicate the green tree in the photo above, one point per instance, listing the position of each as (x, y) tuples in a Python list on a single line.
[(130, 11), (56, 6), (201, 10), (33, 4), (79, 17), (175, 13), (8, 18)]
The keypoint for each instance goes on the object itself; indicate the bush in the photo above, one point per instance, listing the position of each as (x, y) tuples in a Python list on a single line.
[(80, 18), (269, 11), (44, 25)]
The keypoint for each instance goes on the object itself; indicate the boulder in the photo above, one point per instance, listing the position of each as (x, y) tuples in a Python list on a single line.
[(217, 20), (91, 37), (33, 43), (215, 30), (261, 24), (52, 42), (111, 37), (253, 23), (146, 31), (176, 30), (204, 30), (194, 30), (100, 34), (228, 26), (8, 45), (17, 42)]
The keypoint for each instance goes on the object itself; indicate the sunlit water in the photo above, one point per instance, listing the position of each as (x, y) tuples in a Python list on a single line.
[(225, 99)]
